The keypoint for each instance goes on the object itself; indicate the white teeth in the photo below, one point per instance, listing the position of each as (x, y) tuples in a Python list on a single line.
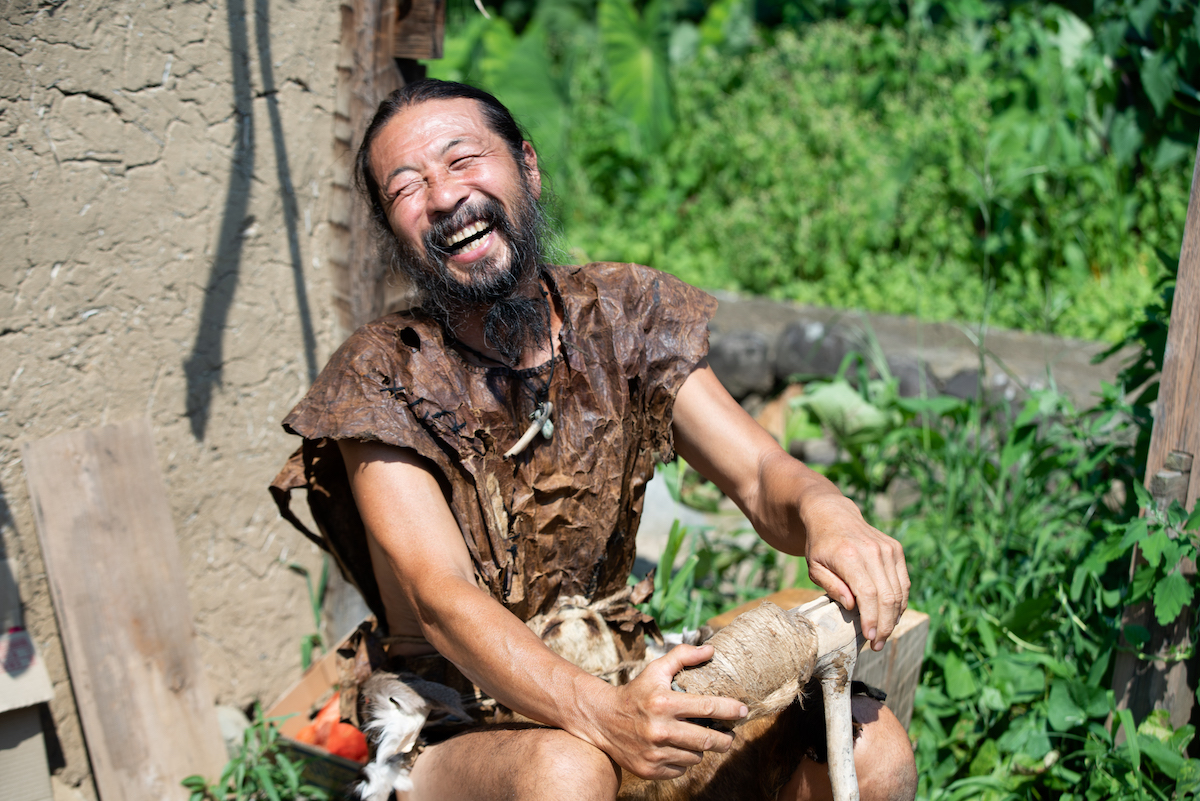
[(470, 230)]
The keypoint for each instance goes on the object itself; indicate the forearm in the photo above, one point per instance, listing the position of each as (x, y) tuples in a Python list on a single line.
[(786, 496), (499, 653)]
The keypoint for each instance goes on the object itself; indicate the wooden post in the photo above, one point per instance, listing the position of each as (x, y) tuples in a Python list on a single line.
[(380, 41), (367, 74), (1143, 686)]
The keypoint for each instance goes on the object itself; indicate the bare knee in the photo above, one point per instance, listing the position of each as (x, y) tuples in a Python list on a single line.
[(883, 761), (559, 765), (883, 756)]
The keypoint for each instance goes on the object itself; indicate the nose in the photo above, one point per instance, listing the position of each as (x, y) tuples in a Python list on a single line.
[(446, 194)]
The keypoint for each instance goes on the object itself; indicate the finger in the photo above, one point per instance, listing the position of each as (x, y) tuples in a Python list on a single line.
[(714, 707), (894, 602), (829, 581), (905, 581), (694, 737)]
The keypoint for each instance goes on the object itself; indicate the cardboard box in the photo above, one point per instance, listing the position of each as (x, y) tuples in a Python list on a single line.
[(325, 770)]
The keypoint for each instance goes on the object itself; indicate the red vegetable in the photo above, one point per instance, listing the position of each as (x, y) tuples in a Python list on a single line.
[(347, 741)]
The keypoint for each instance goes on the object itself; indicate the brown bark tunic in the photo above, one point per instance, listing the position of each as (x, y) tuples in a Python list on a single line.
[(561, 517)]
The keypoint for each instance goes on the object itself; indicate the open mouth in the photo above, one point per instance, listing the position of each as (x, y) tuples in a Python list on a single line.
[(469, 238)]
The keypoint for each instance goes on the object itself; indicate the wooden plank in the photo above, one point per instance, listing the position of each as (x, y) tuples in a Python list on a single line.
[(367, 73), (1177, 424), (1139, 685), (896, 669), (420, 29), (120, 594)]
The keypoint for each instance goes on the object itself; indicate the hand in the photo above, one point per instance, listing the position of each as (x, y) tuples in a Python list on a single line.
[(858, 565), (646, 732)]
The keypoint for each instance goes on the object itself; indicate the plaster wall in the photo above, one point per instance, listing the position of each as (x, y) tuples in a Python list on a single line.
[(164, 190)]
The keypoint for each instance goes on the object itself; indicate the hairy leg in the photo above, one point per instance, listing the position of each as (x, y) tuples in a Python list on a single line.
[(515, 763), (883, 761)]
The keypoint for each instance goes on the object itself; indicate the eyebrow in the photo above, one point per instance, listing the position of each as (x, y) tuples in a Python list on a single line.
[(449, 146)]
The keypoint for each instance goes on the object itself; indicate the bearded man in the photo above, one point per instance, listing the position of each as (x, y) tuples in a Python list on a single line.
[(458, 529)]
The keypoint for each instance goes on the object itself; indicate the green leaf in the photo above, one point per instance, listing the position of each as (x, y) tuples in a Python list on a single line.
[(960, 681), (1131, 738), (1158, 78), (1142, 14), (987, 634), (1154, 545), (1062, 711), (1171, 595), (635, 57), (265, 783), (1135, 533), (1019, 680), (1168, 760), (1189, 779), (518, 71), (1026, 735), (1193, 521), (1170, 153)]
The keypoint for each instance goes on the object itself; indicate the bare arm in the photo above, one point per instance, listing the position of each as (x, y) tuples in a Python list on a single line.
[(412, 533), (792, 507)]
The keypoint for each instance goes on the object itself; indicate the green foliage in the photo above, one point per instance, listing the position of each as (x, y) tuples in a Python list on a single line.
[(719, 573), (929, 159), (260, 771), (316, 602)]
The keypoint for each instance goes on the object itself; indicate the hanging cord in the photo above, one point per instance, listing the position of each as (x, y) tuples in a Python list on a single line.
[(541, 416)]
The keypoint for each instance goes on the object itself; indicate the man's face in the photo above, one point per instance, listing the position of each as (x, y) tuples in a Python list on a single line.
[(449, 184)]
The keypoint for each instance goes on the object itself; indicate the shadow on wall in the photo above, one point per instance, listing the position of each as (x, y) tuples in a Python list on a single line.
[(206, 363)]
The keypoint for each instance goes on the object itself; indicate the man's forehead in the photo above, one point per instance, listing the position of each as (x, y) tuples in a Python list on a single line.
[(438, 122)]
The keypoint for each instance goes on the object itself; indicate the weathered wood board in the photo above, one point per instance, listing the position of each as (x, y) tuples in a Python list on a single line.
[(1177, 424), (1143, 685), (119, 590), (420, 29), (896, 669)]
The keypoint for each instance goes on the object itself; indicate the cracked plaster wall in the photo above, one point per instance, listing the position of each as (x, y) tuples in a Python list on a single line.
[(164, 185)]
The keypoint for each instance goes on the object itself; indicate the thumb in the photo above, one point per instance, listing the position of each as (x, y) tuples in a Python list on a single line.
[(682, 656)]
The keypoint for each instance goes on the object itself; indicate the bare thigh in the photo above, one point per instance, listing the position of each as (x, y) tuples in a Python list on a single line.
[(515, 764)]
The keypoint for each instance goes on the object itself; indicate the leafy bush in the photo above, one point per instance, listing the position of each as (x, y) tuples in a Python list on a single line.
[(933, 159), (260, 771)]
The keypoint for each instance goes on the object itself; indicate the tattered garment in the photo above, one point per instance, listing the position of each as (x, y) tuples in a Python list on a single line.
[(561, 517)]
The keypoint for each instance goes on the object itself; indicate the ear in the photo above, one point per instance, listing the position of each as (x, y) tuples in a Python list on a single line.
[(531, 170)]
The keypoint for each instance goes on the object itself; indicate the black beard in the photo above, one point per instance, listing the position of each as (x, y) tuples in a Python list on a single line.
[(515, 314)]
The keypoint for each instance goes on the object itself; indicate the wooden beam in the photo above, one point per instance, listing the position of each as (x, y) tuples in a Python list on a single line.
[(420, 29), (120, 594), (367, 73), (1177, 424), (1163, 683)]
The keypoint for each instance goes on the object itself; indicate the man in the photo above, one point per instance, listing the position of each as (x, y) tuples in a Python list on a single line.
[(497, 441)]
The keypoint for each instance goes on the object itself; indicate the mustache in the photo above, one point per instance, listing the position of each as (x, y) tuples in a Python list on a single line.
[(489, 212)]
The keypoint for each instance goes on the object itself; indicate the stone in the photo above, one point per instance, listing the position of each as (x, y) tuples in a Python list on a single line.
[(741, 361), (964, 384), (812, 349), (823, 451), (913, 377)]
